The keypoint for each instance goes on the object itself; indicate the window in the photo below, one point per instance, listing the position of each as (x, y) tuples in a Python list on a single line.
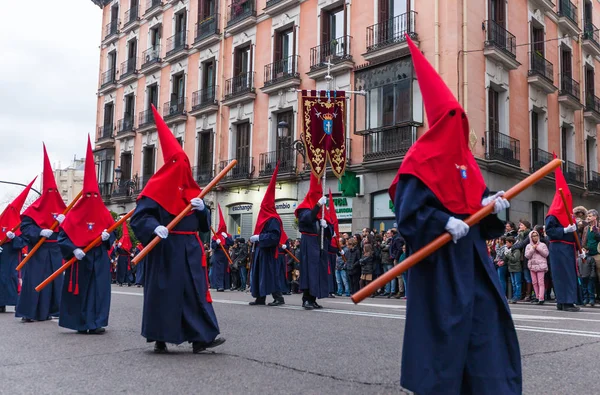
[(155, 34), (107, 128), (564, 145), (243, 60), (283, 47), (535, 138), (493, 111), (538, 213), (332, 24), (112, 63), (131, 49), (589, 85), (206, 9), (587, 12), (496, 9), (285, 152), (389, 9), (148, 163), (208, 74), (126, 162), (565, 62), (180, 22), (129, 107), (537, 38), (177, 103), (152, 96), (114, 14), (204, 161), (591, 154), (242, 148), (105, 166)]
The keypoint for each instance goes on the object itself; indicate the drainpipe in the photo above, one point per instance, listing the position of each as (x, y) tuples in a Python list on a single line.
[(465, 50), (436, 35)]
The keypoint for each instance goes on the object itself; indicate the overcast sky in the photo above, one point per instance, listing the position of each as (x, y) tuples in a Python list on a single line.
[(48, 83)]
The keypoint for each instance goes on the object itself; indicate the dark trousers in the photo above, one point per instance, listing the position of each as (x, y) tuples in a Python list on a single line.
[(354, 282), (277, 295), (235, 279), (307, 297)]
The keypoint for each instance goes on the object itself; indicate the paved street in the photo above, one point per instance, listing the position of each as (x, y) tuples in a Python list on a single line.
[(342, 349)]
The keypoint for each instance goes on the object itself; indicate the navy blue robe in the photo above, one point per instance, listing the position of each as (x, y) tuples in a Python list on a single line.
[(265, 269), (459, 336), (313, 260), (177, 304), (39, 306), (332, 257), (139, 270), (220, 265), (124, 274), (563, 262), (282, 261), (9, 277), (89, 309)]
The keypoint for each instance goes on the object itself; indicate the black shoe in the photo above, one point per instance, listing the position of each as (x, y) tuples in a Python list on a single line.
[(307, 305), (26, 319), (559, 306), (331, 295), (221, 290), (217, 342), (198, 347), (571, 308), (257, 303), (97, 331), (160, 348), (534, 300), (540, 302), (317, 306), (2, 309), (82, 332), (277, 303)]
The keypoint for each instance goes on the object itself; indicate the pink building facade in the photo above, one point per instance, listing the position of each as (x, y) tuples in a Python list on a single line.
[(224, 74)]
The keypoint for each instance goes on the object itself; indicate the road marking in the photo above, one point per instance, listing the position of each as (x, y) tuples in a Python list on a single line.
[(568, 332)]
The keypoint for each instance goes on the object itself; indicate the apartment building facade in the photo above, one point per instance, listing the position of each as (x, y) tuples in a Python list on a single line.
[(225, 75)]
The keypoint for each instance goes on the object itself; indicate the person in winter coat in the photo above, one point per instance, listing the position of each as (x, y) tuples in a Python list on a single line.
[(367, 265), (521, 241), (353, 265), (537, 252), (587, 276), (512, 258), (499, 262)]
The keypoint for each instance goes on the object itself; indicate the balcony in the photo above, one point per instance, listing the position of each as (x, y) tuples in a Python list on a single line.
[(146, 121), (544, 5), (574, 174), (153, 8), (241, 15), (591, 39), (129, 71), (541, 73), (106, 137), (276, 7), (336, 52), (568, 95), (203, 173), (287, 158), (282, 75), (593, 182), (174, 111), (126, 190), (386, 147), (207, 32), (177, 47), (106, 190), (503, 152), (125, 128), (239, 90), (111, 32), (592, 108), (567, 18), (204, 101), (108, 81), (132, 19), (241, 173), (388, 39), (151, 60), (500, 45), (539, 159)]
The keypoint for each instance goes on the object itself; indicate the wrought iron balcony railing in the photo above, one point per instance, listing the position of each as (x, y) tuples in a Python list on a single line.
[(503, 148), (539, 159), (391, 31), (593, 183), (574, 173), (567, 9), (107, 78), (128, 67), (501, 38), (105, 131), (540, 66), (239, 10), (131, 15), (387, 143), (151, 55), (592, 103), (174, 107), (244, 168), (146, 118), (282, 70), (207, 27), (127, 188), (241, 84), (125, 125), (590, 32), (204, 97), (111, 28), (176, 43), (286, 157), (152, 4), (569, 86), (203, 173), (333, 51)]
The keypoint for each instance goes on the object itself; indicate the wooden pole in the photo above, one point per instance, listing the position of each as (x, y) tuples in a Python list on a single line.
[(43, 239), (290, 254), (93, 244), (223, 248), (445, 238), (185, 212), (570, 216)]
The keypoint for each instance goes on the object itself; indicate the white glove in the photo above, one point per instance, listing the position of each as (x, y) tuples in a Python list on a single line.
[(79, 254), (342, 253), (582, 255), (132, 254), (219, 241), (162, 231), (224, 235), (283, 247), (46, 233), (457, 228), (500, 203), (0, 250), (60, 218), (197, 204), (105, 236), (120, 245), (570, 229), (322, 201), (323, 223), (10, 235), (254, 238)]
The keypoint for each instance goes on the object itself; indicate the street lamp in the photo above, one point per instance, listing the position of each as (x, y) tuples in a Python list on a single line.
[(282, 132), (23, 185)]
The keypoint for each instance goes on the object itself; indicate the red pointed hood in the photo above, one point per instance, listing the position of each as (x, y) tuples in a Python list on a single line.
[(268, 210), (89, 217), (11, 216), (48, 206), (315, 192), (333, 220), (125, 239), (173, 186), (441, 158), (222, 227), (557, 208)]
